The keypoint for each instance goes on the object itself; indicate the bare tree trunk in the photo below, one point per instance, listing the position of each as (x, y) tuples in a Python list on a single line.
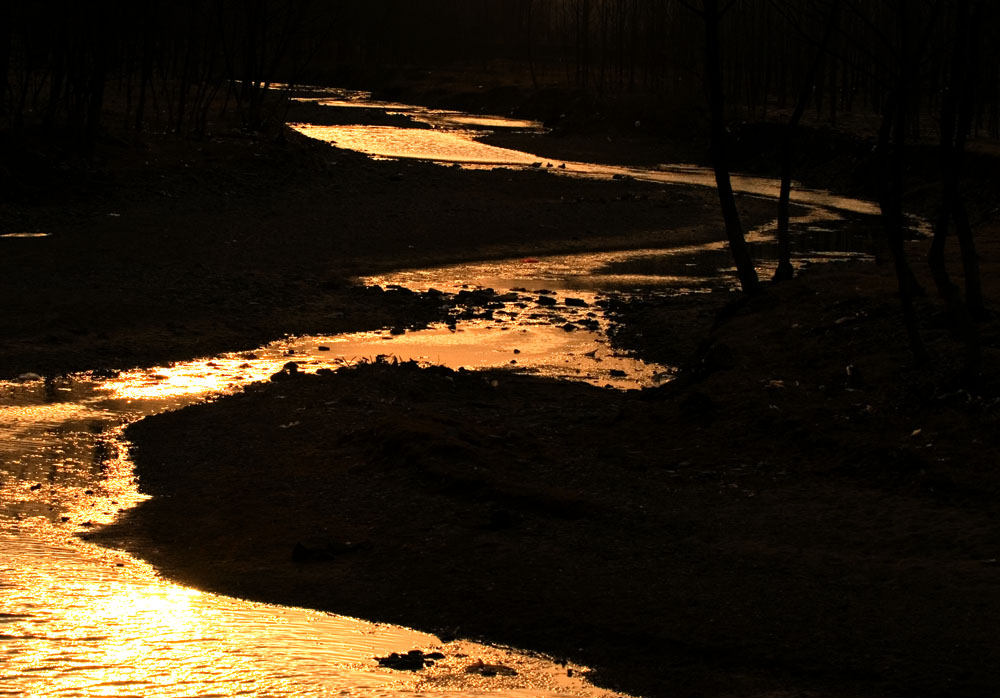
[(5, 48), (785, 271), (720, 156), (891, 201), (956, 117), (529, 41)]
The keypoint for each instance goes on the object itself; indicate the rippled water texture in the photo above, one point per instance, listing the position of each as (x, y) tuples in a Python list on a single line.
[(78, 620)]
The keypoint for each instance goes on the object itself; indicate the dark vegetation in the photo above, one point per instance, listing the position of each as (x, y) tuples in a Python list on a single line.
[(810, 509)]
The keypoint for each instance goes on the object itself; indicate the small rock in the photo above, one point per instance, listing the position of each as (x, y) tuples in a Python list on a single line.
[(479, 667), (546, 300), (576, 302), (413, 660), (322, 347), (287, 372)]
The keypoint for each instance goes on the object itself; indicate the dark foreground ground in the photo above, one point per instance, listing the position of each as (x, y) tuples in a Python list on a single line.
[(770, 524), (772, 527)]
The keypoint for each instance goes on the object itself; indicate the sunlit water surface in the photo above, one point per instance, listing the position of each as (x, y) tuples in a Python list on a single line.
[(79, 620), (76, 619)]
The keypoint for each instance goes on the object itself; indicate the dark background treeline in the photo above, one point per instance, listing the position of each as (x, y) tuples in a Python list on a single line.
[(171, 64)]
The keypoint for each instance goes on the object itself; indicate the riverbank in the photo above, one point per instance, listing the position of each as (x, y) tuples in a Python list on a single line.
[(770, 524), (804, 514), (172, 248)]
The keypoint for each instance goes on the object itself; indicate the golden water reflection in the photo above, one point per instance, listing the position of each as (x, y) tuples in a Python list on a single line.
[(75, 621), (425, 144), (80, 620)]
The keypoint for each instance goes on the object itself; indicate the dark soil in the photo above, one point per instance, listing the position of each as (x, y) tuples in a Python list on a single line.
[(771, 523), (170, 248), (803, 512)]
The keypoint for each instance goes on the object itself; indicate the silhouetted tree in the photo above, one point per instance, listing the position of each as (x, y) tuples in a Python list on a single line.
[(712, 17), (784, 270), (956, 120)]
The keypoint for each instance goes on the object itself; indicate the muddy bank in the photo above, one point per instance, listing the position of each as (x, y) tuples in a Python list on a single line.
[(171, 248), (770, 523)]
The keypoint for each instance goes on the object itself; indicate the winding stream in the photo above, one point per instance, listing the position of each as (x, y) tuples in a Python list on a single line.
[(80, 620)]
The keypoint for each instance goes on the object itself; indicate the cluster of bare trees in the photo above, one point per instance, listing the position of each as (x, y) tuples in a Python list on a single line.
[(168, 64), (905, 69), (655, 48), (908, 68), (922, 59)]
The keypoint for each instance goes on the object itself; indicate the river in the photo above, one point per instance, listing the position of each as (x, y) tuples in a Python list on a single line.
[(80, 620)]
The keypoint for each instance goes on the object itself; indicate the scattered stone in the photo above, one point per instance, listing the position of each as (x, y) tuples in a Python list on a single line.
[(546, 300), (322, 347), (287, 372), (397, 330), (570, 327), (575, 302), (478, 667), (36, 486), (414, 660)]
